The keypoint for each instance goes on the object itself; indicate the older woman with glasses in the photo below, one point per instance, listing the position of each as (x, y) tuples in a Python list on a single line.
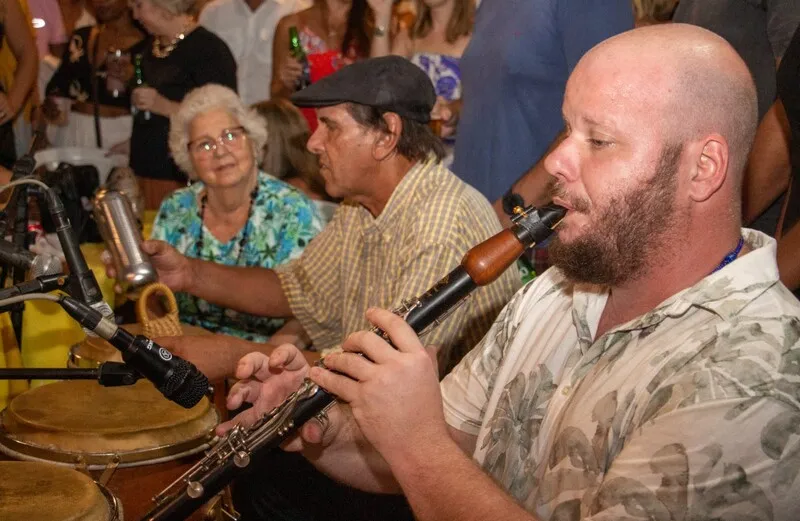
[(232, 214)]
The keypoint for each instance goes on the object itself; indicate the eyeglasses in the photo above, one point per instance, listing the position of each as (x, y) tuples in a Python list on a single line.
[(231, 138)]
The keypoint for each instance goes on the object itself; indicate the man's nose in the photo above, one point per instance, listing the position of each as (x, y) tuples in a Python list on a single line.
[(561, 162), (314, 144)]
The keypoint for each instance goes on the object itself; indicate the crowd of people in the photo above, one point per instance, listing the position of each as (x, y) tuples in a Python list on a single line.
[(304, 194)]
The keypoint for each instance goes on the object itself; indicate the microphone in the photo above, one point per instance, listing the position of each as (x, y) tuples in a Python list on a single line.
[(176, 378), (82, 280), (26, 260)]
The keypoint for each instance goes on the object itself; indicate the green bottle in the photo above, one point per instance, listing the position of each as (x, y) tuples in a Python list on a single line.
[(138, 80), (297, 52)]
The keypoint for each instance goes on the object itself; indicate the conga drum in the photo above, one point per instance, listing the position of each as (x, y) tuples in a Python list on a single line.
[(32, 491), (93, 350), (132, 439)]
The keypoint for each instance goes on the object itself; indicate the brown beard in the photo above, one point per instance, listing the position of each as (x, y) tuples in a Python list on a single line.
[(614, 250)]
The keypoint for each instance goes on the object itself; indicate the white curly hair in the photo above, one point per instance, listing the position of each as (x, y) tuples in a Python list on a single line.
[(205, 99), (175, 7)]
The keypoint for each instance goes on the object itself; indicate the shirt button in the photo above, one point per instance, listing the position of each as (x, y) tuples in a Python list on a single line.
[(565, 391)]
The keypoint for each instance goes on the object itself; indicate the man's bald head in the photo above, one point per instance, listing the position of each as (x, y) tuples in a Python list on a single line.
[(693, 78)]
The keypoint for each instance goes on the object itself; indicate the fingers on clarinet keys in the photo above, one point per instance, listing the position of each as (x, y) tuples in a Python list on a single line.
[(323, 419)]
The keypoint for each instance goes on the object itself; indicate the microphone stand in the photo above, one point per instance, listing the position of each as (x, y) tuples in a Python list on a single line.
[(23, 167), (107, 374)]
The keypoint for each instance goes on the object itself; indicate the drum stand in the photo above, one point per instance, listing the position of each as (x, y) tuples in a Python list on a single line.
[(107, 374)]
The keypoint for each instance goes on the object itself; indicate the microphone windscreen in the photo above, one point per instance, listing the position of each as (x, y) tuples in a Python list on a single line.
[(186, 386), (46, 265)]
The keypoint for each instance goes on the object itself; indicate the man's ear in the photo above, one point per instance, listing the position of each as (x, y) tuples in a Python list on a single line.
[(709, 167), (386, 143)]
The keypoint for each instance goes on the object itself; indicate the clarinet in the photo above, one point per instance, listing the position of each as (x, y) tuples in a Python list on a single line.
[(234, 453)]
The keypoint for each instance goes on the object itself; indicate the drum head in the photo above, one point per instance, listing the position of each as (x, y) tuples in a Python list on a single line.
[(83, 422), (93, 351), (42, 492)]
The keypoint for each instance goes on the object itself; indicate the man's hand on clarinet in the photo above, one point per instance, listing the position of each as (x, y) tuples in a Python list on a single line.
[(393, 393), (266, 382)]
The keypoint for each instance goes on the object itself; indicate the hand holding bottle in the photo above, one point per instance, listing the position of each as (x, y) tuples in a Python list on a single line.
[(298, 55), (138, 82), (289, 73), (147, 99)]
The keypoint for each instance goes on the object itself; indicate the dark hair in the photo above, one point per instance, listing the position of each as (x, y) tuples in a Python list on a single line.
[(460, 23), (417, 140), (356, 42)]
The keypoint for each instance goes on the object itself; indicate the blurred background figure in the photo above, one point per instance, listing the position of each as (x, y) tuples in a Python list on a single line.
[(435, 43), (513, 75), (788, 232), (248, 27), (286, 156), (72, 15), (18, 64), (651, 12), (233, 214), (180, 57), (332, 33), (93, 80), (76, 14), (51, 37)]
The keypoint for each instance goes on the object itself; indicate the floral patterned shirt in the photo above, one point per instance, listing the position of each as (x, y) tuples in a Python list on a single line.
[(689, 412), (444, 72), (282, 222)]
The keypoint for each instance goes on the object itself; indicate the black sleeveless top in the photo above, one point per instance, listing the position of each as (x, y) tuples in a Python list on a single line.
[(201, 58)]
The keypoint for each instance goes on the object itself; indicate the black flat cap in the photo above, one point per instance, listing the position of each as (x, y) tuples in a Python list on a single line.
[(388, 83)]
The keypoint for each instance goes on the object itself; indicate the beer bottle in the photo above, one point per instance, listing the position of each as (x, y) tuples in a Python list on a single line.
[(297, 52), (138, 79)]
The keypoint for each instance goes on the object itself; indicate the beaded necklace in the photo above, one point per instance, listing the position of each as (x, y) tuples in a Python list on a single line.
[(731, 256), (242, 243)]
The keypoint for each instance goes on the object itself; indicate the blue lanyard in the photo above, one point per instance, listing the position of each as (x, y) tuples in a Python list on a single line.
[(727, 259)]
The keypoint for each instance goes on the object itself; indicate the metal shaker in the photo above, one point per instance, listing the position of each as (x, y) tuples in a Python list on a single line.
[(122, 236)]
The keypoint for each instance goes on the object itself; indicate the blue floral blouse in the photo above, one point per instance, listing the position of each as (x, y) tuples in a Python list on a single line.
[(282, 222), (445, 74)]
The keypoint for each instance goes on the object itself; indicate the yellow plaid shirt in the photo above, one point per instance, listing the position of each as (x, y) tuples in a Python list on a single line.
[(358, 261)]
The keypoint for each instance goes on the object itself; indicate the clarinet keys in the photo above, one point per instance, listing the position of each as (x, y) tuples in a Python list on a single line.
[(241, 459), (194, 489)]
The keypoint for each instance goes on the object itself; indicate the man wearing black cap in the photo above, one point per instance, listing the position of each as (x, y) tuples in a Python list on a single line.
[(406, 222)]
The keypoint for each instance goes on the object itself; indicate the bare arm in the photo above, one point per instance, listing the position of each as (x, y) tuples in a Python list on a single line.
[(280, 56), (441, 482), (24, 49), (381, 44), (248, 290), (405, 424), (789, 257), (533, 186), (352, 460), (293, 333), (251, 290), (768, 169)]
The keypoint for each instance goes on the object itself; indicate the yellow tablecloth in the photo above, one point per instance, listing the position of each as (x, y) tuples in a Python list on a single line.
[(47, 331)]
